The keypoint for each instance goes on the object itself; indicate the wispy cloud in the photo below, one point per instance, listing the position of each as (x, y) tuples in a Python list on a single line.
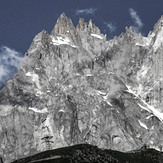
[(88, 11), (138, 24), (9, 62), (110, 27)]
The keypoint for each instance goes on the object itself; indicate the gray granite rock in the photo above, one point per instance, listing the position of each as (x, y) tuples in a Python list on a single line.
[(74, 86)]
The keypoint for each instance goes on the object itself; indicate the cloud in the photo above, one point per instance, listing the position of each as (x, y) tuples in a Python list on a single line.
[(138, 24), (110, 26), (89, 11), (9, 62)]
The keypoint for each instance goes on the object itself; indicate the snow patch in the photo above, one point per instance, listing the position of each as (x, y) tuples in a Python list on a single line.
[(61, 110), (117, 111), (110, 73), (110, 104), (58, 40), (158, 114), (155, 147), (138, 44), (144, 42), (152, 110), (152, 128), (142, 125), (89, 75), (105, 97), (28, 74), (51, 78), (147, 107), (137, 92), (35, 78), (130, 91), (101, 93), (149, 116), (39, 111), (138, 135), (97, 36)]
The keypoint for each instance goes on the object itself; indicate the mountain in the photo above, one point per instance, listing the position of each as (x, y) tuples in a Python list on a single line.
[(73, 86)]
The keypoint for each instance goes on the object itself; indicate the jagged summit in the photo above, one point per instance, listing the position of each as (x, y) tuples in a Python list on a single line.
[(158, 25), (76, 87), (156, 35), (63, 25), (82, 25), (90, 26)]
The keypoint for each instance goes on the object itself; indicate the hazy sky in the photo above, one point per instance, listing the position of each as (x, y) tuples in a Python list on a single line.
[(21, 20)]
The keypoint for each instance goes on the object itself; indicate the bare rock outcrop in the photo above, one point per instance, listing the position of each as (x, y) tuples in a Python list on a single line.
[(74, 86)]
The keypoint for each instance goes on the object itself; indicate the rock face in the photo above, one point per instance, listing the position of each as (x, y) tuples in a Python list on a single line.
[(74, 86)]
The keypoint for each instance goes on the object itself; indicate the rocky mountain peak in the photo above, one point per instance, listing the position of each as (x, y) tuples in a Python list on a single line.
[(77, 87), (40, 41), (93, 28), (156, 36), (41, 37), (129, 30), (65, 26), (158, 25), (89, 27), (82, 25), (91, 36)]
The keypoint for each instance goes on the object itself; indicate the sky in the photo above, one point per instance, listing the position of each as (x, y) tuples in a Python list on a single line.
[(21, 20)]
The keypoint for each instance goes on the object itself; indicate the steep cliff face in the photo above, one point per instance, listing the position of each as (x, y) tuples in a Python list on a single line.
[(74, 86), (140, 63)]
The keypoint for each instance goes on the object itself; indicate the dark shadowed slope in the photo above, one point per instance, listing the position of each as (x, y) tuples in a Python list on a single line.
[(86, 153)]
